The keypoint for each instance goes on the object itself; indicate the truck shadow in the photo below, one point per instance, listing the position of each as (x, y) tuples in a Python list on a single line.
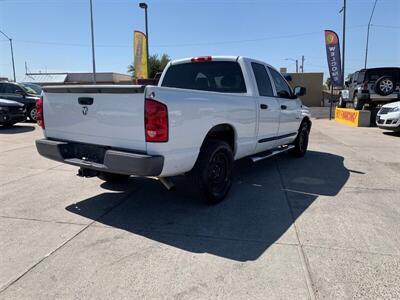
[(20, 128), (265, 200)]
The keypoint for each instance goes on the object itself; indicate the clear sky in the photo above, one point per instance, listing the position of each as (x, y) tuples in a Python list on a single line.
[(54, 35)]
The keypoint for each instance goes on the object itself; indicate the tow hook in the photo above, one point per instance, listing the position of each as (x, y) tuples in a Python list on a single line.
[(84, 172)]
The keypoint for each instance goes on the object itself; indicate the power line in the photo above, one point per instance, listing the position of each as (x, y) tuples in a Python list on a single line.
[(385, 26), (182, 44)]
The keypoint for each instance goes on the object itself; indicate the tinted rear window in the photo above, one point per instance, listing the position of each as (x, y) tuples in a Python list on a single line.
[(215, 76)]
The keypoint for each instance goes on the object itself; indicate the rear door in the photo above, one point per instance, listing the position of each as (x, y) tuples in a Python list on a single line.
[(109, 116), (289, 121), (268, 109)]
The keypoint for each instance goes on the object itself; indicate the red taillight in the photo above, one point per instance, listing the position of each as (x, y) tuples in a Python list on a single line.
[(201, 59), (155, 121), (365, 86), (39, 112)]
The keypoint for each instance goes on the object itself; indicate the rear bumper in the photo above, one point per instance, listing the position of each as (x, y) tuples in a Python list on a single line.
[(377, 98), (108, 160)]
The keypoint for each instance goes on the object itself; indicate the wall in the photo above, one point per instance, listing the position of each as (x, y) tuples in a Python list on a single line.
[(313, 83)]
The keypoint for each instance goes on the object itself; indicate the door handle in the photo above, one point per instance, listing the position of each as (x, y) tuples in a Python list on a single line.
[(263, 106), (85, 100), (283, 107)]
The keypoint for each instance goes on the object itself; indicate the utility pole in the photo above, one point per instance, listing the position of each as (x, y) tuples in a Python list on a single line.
[(344, 40), (12, 52), (369, 25), (93, 56), (302, 64)]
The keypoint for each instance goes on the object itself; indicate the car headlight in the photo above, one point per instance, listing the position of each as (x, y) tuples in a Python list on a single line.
[(395, 109)]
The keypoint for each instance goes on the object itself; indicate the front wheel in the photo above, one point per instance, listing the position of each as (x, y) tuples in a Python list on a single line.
[(212, 172), (358, 103), (301, 142), (342, 103)]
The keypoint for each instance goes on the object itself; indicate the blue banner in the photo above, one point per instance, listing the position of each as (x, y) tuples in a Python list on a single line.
[(333, 56)]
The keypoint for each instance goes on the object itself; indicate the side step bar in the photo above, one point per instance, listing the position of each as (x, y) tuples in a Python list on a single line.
[(264, 155)]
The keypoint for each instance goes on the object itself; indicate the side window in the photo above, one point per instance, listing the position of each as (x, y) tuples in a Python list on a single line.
[(354, 79), (262, 79), (360, 77), (12, 89), (283, 90)]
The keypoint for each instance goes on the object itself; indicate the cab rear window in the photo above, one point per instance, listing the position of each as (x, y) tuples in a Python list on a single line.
[(215, 76)]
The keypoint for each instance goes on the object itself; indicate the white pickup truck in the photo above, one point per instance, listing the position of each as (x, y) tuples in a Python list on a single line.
[(205, 113)]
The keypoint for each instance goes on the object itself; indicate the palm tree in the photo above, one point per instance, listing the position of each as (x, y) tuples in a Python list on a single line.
[(156, 64)]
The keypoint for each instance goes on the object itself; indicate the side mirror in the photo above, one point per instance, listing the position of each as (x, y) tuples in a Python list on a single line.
[(299, 91)]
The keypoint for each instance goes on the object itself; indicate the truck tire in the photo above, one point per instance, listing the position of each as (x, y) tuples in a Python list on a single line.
[(112, 177), (212, 173), (384, 86), (342, 103), (358, 103), (301, 141)]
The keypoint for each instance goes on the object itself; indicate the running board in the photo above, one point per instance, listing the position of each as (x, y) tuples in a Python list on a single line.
[(265, 155)]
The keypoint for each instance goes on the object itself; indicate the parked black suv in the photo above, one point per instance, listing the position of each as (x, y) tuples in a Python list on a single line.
[(371, 86), (20, 93)]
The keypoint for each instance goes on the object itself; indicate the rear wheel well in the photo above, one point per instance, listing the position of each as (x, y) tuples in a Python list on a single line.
[(223, 132)]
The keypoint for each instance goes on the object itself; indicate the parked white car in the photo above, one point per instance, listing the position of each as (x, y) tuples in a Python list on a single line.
[(388, 116), (205, 113)]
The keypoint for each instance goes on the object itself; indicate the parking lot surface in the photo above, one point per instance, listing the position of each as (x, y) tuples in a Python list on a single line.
[(323, 226)]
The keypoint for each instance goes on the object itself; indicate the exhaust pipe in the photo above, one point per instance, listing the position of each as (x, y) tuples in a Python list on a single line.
[(84, 172)]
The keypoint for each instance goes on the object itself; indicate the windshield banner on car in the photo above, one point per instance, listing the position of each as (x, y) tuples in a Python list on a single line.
[(333, 56)]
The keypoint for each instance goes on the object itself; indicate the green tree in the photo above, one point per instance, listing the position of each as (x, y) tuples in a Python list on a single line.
[(156, 64)]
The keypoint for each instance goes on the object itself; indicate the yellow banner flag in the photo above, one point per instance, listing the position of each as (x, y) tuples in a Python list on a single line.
[(140, 55)]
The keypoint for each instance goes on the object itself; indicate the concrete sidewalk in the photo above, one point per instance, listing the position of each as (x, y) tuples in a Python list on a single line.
[(323, 226)]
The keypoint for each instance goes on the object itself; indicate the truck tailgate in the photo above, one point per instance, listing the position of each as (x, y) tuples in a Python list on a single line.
[(102, 115)]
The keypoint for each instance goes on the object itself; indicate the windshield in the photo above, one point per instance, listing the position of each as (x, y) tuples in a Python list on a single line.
[(31, 88)]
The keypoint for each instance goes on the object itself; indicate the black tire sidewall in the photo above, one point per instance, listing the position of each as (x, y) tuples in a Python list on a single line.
[(201, 169), (359, 104), (342, 103), (297, 151)]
